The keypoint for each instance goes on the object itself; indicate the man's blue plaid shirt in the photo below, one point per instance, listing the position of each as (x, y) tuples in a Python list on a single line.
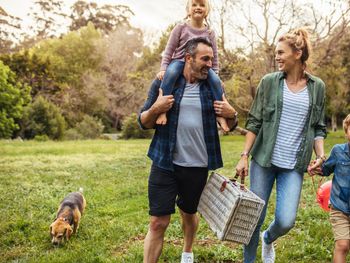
[(163, 143)]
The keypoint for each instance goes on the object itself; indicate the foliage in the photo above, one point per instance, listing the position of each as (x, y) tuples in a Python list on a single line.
[(43, 118), (9, 30), (72, 134), (124, 95), (35, 177), (71, 57), (48, 16), (36, 72), (41, 138), (13, 96), (132, 130), (89, 127), (106, 18)]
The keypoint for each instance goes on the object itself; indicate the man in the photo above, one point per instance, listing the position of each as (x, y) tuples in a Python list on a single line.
[(184, 149)]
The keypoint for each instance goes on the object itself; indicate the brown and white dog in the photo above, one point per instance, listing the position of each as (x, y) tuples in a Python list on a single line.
[(68, 216)]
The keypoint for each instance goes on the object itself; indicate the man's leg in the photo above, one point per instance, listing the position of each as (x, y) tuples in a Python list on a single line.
[(153, 243), (191, 184), (189, 228), (162, 191)]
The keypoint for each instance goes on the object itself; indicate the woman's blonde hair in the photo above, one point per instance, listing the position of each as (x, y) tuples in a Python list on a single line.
[(346, 123), (189, 4), (298, 40)]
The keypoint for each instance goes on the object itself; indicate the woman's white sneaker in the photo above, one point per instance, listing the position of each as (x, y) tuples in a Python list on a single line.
[(268, 251), (187, 257)]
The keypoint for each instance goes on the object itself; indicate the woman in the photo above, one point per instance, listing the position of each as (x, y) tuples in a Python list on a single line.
[(285, 122)]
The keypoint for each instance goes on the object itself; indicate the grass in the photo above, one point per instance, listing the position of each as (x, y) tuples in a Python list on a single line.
[(35, 176)]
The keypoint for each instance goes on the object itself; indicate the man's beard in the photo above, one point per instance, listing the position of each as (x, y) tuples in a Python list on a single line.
[(199, 73)]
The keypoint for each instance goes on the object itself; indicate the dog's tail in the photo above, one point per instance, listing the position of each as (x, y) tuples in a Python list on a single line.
[(81, 189)]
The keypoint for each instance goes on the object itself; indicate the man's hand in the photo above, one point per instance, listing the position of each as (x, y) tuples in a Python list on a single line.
[(314, 167), (224, 109), (160, 74), (163, 103)]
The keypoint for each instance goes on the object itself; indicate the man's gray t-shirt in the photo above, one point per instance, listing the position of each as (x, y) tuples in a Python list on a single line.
[(190, 149)]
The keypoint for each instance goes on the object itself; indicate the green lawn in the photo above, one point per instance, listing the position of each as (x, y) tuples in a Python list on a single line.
[(35, 176)]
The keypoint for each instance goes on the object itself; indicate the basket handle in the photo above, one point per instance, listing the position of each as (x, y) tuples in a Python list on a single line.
[(234, 180)]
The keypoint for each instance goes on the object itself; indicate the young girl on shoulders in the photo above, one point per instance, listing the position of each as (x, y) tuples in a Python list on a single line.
[(173, 58)]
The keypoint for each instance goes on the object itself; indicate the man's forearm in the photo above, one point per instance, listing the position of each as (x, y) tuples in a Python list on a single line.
[(148, 118)]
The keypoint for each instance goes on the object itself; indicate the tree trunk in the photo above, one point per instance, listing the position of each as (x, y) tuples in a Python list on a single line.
[(334, 122)]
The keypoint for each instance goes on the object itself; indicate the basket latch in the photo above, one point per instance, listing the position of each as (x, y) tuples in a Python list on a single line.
[(223, 186)]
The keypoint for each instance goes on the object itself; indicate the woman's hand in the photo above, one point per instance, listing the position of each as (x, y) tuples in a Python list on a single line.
[(242, 166), (315, 167)]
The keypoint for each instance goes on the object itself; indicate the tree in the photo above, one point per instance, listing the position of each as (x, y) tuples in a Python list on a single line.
[(71, 58), (13, 97), (258, 33), (124, 94), (48, 16), (43, 118), (35, 71), (10, 27), (106, 18)]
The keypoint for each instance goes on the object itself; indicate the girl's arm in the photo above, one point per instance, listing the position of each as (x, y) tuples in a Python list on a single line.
[(173, 43)]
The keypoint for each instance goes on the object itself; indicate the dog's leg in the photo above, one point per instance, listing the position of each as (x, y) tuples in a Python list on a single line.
[(76, 219)]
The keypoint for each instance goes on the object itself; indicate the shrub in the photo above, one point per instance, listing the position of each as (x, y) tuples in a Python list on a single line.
[(72, 134), (131, 128), (43, 118), (41, 138), (13, 97), (90, 127)]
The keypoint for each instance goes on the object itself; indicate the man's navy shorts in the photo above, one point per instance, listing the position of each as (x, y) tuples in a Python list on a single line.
[(183, 187)]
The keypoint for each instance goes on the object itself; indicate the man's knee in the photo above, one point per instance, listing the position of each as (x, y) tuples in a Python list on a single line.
[(159, 224), (342, 246)]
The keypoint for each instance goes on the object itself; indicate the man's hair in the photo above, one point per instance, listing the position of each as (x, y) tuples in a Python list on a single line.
[(346, 123), (191, 45)]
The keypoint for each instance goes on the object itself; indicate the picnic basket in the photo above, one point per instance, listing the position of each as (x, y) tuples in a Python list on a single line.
[(231, 210)]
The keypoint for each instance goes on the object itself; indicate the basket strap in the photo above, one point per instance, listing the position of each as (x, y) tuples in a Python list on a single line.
[(234, 180)]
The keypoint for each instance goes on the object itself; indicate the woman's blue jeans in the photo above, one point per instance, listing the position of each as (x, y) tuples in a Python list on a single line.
[(288, 188), (175, 69)]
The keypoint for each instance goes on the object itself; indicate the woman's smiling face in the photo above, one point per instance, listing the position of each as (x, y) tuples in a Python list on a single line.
[(286, 57)]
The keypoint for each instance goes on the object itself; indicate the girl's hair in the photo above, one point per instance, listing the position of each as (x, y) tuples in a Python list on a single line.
[(188, 7), (346, 123), (298, 40)]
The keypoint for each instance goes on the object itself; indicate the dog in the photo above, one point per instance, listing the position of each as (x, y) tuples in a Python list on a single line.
[(68, 217)]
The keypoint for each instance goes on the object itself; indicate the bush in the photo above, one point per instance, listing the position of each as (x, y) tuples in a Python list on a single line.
[(13, 97), (43, 118), (90, 127), (131, 128), (72, 134), (41, 138)]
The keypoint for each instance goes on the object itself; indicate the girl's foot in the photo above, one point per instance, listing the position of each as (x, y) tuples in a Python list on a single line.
[(161, 120), (223, 123)]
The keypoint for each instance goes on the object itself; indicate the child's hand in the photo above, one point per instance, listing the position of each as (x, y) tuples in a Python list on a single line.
[(160, 74)]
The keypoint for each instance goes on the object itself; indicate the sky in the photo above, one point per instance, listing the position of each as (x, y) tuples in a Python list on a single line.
[(152, 16)]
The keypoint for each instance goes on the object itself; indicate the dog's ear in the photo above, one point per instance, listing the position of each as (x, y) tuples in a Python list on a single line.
[(68, 231)]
